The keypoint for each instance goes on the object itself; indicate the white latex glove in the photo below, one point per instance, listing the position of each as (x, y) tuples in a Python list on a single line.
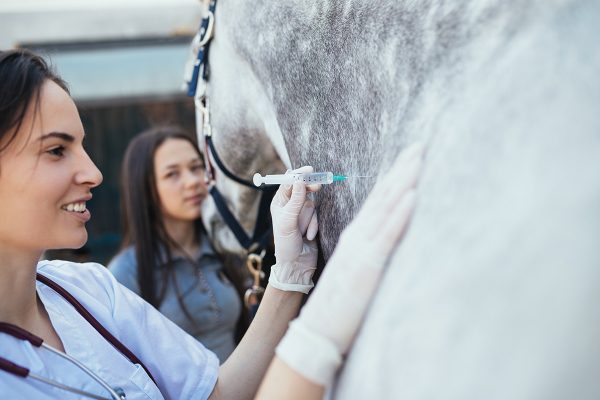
[(322, 334), (295, 227)]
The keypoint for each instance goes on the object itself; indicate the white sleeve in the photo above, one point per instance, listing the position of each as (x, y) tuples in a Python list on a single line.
[(182, 366)]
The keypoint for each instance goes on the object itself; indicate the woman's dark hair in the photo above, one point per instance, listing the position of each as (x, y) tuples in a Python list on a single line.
[(22, 74), (143, 226)]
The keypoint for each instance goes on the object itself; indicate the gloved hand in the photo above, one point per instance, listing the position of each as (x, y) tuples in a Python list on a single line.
[(295, 227), (322, 334)]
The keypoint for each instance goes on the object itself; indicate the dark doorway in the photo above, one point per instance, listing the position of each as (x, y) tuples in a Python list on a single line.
[(109, 126)]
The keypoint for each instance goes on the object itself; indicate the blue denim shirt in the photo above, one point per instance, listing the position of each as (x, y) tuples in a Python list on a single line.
[(210, 298)]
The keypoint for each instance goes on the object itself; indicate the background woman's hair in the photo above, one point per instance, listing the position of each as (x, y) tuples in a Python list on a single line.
[(142, 221), (143, 225), (22, 74)]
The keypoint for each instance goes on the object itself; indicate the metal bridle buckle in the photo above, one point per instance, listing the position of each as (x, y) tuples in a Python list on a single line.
[(202, 105), (254, 295), (203, 119)]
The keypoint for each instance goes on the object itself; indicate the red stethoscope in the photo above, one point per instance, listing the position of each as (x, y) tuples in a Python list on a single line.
[(15, 331)]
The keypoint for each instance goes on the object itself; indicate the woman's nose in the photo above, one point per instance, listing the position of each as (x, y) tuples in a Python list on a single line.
[(89, 174), (193, 178)]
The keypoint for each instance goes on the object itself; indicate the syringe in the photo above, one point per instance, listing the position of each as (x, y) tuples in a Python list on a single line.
[(322, 178)]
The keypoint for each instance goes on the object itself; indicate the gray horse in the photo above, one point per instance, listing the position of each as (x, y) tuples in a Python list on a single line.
[(494, 292)]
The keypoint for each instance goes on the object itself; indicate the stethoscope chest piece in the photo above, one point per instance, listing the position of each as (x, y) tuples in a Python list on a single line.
[(120, 392)]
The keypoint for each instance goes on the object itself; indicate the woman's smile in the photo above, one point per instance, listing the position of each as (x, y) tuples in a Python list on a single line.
[(78, 210)]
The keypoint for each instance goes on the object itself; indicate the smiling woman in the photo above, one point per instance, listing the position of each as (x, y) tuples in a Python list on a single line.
[(95, 338), (46, 174)]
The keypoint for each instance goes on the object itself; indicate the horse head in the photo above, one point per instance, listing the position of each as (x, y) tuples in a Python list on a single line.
[(246, 137), (306, 92)]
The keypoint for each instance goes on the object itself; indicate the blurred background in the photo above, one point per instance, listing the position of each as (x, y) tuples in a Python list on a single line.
[(124, 62)]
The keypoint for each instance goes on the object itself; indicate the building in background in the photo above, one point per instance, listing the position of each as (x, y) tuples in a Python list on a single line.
[(124, 62)]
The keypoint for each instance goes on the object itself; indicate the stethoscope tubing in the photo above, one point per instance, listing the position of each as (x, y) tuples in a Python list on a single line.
[(22, 334), (12, 368), (67, 388), (113, 394)]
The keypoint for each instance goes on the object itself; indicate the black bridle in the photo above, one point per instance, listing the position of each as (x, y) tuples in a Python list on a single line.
[(262, 234)]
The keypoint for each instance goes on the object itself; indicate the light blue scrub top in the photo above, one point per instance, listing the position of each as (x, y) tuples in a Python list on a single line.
[(210, 298), (182, 367)]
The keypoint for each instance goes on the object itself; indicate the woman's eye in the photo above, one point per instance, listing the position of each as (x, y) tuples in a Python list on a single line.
[(171, 174), (57, 151), (197, 168)]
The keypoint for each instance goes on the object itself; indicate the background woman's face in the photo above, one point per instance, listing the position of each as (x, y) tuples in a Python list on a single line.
[(179, 180), (46, 177)]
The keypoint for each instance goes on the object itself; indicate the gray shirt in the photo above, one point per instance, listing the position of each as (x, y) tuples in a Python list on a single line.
[(210, 298)]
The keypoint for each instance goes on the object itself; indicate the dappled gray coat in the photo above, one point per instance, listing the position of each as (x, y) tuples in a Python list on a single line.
[(494, 292)]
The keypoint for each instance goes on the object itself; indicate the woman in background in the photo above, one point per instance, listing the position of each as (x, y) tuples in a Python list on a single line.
[(166, 256)]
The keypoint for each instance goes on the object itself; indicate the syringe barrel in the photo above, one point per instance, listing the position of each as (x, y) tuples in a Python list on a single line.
[(323, 178), (289, 179)]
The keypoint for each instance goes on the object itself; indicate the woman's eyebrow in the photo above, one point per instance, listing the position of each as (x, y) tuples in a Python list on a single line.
[(170, 166), (60, 135)]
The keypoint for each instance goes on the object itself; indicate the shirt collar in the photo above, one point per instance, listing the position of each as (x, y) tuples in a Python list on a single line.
[(205, 249)]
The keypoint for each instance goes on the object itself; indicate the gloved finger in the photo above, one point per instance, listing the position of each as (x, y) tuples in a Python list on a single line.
[(400, 176), (391, 232), (378, 212), (282, 196), (286, 190), (416, 149), (405, 157), (306, 169), (313, 227), (315, 187), (296, 202), (308, 209), (408, 157), (406, 181)]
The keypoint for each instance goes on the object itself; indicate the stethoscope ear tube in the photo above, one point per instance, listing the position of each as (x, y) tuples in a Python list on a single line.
[(23, 372), (72, 389), (94, 322), (113, 392), (13, 368), (21, 334)]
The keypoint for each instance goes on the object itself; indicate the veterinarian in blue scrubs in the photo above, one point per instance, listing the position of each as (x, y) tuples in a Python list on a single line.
[(71, 330)]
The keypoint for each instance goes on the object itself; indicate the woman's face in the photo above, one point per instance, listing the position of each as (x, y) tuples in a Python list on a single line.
[(179, 180), (46, 177)]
